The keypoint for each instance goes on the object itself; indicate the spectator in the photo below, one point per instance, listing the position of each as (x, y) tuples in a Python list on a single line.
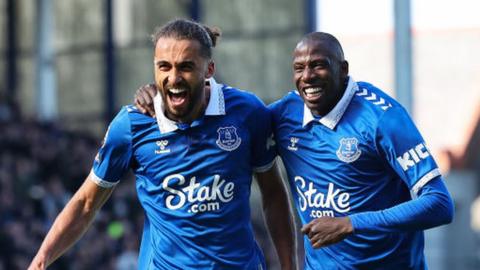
[(33, 159)]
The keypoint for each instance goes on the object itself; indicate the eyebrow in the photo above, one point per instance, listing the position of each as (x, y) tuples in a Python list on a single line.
[(187, 62), (326, 60), (181, 63)]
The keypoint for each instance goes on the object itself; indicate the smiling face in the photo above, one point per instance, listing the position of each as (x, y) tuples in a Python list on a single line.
[(320, 73), (180, 73)]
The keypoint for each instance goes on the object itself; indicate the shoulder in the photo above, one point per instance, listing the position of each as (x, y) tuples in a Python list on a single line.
[(129, 119), (373, 102), (289, 104), (121, 120), (136, 119), (377, 109), (119, 130), (375, 97), (134, 114), (241, 99)]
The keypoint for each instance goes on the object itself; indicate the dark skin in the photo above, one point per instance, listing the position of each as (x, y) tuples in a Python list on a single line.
[(320, 75), (318, 64), (144, 99)]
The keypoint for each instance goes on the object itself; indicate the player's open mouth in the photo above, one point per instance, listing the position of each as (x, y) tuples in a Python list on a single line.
[(312, 93), (177, 96)]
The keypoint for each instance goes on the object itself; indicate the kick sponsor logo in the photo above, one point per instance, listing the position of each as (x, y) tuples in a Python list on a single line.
[(321, 204), (413, 156), (201, 198)]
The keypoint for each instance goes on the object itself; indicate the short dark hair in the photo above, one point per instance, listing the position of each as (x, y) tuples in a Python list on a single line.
[(330, 40), (190, 30)]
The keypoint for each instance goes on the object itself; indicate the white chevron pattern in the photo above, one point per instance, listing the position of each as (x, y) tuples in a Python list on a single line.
[(371, 97), (363, 93), (379, 101), (386, 107)]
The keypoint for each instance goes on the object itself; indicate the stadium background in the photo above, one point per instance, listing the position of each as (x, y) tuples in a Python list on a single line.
[(68, 66)]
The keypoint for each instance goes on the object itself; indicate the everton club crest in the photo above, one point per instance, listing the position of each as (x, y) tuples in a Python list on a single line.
[(228, 138), (348, 150)]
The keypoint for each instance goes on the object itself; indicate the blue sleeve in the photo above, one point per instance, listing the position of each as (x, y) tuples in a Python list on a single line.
[(262, 147), (114, 157), (433, 207), (275, 115), (400, 144)]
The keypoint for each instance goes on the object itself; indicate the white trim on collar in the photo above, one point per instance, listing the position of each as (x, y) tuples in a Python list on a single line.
[(333, 117), (215, 106)]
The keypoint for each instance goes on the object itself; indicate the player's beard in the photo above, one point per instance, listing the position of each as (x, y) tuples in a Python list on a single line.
[(184, 108)]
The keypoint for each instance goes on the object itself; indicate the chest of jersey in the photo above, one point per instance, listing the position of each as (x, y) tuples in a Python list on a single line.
[(214, 147), (330, 156), (333, 172), (200, 168)]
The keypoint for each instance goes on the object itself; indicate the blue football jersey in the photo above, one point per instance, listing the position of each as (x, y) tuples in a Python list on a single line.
[(365, 155), (193, 181)]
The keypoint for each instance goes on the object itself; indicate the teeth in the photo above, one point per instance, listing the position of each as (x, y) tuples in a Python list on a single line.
[(176, 90), (311, 91)]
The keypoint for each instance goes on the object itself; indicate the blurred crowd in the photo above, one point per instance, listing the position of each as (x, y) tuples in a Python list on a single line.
[(41, 166)]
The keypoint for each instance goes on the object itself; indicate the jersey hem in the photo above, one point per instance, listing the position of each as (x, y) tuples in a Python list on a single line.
[(264, 168)]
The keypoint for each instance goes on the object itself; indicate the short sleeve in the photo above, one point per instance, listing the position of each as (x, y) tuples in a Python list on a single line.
[(272, 108), (113, 158), (400, 143), (263, 152)]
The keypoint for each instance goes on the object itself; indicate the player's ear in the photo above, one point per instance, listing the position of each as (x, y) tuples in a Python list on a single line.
[(210, 69), (344, 68)]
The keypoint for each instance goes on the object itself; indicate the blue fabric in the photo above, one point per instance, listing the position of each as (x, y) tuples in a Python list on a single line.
[(364, 156), (433, 207), (193, 183)]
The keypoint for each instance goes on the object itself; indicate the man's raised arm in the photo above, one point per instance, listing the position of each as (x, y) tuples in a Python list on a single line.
[(71, 223)]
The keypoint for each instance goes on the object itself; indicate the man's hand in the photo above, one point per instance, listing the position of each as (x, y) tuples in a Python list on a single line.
[(325, 231), (144, 99)]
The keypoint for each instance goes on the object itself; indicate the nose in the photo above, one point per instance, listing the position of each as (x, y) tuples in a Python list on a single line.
[(173, 78), (307, 74)]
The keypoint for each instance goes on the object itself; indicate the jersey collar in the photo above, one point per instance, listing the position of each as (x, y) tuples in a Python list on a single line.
[(216, 106), (333, 117)]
